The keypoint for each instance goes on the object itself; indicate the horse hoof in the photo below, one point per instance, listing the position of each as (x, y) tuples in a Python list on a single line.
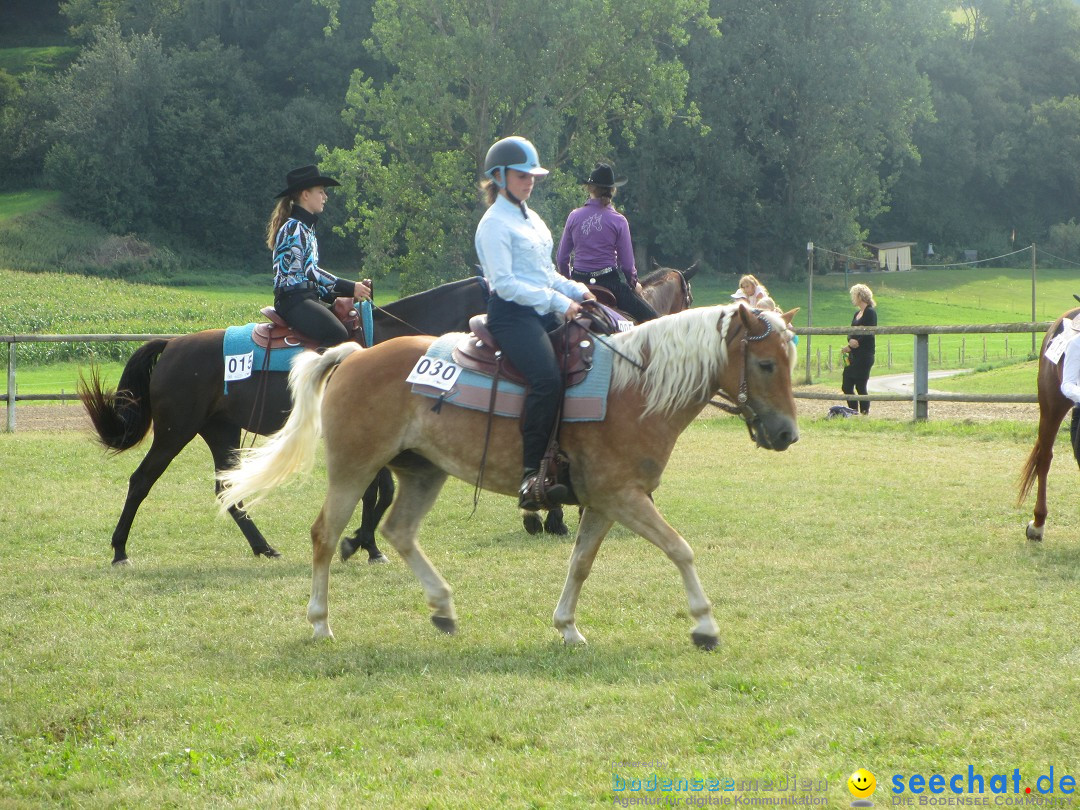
[(1035, 532), (445, 625), (557, 528), (705, 641), (347, 550), (532, 523), (121, 563), (269, 553), (378, 559)]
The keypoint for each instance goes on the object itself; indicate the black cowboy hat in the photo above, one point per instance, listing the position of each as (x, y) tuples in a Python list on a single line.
[(603, 175), (305, 177)]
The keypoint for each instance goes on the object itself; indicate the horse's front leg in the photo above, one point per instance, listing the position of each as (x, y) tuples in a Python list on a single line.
[(639, 514), (592, 530)]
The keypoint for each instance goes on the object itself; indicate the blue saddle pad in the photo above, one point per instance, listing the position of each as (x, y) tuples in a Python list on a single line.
[(243, 357), (584, 402)]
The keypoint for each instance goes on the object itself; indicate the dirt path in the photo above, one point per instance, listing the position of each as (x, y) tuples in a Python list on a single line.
[(71, 416)]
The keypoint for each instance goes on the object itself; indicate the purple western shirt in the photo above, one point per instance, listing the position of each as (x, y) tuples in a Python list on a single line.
[(598, 236)]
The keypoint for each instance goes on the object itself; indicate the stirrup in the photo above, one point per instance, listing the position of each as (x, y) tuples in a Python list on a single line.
[(533, 495)]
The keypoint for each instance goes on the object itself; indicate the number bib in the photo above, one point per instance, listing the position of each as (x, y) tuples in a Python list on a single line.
[(430, 371)]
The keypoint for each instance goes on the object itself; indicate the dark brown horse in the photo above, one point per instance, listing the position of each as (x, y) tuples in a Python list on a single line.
[(664, 373), (177, 387), (1053, 406)]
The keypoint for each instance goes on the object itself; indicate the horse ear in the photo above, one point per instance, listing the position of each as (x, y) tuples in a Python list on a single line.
[(789, 316), (746, 315), (689, 272)]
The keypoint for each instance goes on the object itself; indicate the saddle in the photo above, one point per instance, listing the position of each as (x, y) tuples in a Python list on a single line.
[(479, 351), (279, 335)]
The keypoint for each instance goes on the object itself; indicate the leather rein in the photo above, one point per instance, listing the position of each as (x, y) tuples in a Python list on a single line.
[(739, 404)]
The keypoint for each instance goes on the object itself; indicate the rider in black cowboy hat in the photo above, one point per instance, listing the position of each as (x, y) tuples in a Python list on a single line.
[(300, 285), (598, 236)]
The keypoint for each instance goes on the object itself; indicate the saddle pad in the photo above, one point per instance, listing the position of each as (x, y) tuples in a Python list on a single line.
[(243, 357), (584, 402)]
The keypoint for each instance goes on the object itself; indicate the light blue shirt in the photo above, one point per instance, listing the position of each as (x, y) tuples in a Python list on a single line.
[(1070, 371), (515, 253)]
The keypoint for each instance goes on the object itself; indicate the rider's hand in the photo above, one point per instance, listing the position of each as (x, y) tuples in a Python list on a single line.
[(572, 311), (362, 291), (589, 296), (638, 288)]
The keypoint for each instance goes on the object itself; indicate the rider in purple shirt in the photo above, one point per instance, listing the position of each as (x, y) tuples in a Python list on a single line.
[(598, 236)]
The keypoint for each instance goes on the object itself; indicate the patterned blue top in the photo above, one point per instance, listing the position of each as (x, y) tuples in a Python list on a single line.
[(296, 258)]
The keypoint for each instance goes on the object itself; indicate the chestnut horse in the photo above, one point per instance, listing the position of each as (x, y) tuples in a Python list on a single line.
[(665, 372), (1053, 406)]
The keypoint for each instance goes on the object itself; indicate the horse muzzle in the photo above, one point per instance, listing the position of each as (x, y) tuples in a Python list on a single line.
[(775, 432)]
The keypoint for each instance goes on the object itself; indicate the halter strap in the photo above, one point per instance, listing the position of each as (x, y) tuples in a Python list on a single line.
[(739, 404)]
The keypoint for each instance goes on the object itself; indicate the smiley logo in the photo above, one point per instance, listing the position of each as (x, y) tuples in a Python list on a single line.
[(861, 783)]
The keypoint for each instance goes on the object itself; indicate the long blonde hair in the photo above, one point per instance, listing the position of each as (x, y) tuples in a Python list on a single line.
[(862, 292), (277, 218)]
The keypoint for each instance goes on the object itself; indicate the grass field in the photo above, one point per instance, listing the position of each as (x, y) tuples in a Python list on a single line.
[(896, 621)]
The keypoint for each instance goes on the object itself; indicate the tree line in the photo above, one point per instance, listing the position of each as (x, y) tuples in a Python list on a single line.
[(746, 127)]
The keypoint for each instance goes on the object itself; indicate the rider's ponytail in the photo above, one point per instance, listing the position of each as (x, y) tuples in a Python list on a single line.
[(277, 219)]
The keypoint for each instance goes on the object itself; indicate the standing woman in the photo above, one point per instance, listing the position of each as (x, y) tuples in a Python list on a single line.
[(860, 349), (598, 236), (528, 298), (300, 285)]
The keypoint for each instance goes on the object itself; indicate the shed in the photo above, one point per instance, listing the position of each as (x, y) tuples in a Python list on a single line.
[(891, 255)]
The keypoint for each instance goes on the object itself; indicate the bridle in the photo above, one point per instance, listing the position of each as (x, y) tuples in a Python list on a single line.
[(740, 405)]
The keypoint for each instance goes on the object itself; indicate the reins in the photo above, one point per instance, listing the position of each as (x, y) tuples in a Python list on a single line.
[(739, 404)]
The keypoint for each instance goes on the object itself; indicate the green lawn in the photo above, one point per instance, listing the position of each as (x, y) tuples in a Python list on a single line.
[(17, 203), (879, 607), (45, 58)]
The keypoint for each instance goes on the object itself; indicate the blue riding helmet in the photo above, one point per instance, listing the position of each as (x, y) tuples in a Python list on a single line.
[(514, 152)]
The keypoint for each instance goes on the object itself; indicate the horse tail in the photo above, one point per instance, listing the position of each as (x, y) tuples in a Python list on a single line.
[(292, 449), (1029, 472), (122, 417)]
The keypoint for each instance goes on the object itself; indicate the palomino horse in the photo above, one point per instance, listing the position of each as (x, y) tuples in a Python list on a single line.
[(1053, 406), (177, 386), (667, 290), (664, 374)]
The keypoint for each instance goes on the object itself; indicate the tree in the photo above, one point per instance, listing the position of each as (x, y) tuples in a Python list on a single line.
[(810, 110), (567, 75)]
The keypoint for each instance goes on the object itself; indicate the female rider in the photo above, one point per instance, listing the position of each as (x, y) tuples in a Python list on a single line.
[(528, 299)]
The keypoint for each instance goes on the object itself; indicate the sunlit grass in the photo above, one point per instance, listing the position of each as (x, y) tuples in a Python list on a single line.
[(879, 608)]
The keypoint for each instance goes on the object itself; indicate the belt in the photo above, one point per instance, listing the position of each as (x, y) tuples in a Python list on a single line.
[(292, 288), (593, 273)]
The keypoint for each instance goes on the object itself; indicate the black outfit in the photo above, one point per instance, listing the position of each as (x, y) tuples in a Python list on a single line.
[(857, 372), (1074, 432), (626, 298), (522, 335)]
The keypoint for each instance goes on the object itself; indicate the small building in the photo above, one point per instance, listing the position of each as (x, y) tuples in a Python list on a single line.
[(891, 255)]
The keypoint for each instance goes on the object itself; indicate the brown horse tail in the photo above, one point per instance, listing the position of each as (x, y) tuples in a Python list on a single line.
[(122, 417), (1028, 474)]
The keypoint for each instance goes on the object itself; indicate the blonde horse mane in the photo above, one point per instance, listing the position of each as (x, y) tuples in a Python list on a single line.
[(682, 355)]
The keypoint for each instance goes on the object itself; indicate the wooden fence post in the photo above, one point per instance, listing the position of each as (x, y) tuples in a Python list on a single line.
[(922, 374)]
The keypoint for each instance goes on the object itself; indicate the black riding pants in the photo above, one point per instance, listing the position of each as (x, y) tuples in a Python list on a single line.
[(305, 313), (626, 297), (522, 336), (855, 378), (1074, 431)]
